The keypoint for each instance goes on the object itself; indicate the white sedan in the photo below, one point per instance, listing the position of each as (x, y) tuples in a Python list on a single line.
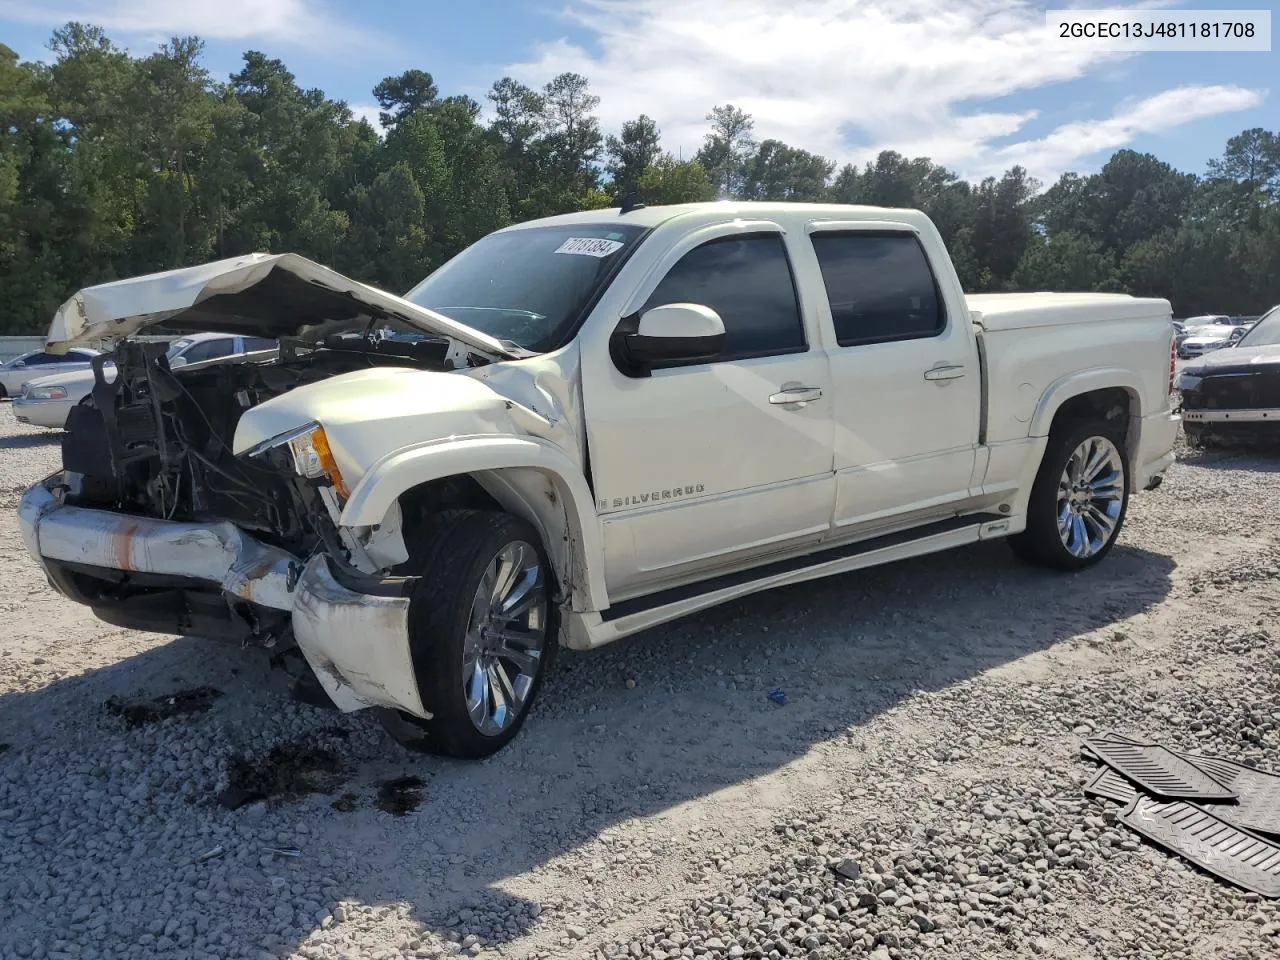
[(46, 402), (36, 363)]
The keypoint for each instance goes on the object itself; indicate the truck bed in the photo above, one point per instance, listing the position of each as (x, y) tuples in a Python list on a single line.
[(1016, 311)]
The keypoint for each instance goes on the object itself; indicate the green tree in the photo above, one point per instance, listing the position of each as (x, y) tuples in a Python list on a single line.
[(667, 180), (400, 96), (728, 148), (780, 172), (1064, 262), (631, 154)]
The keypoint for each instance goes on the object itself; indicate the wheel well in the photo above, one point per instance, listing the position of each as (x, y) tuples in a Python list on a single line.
[(524, 492), (1112, 404), (420, 505)]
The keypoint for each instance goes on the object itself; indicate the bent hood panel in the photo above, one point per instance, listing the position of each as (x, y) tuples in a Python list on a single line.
[(369, 413), (260, 294)]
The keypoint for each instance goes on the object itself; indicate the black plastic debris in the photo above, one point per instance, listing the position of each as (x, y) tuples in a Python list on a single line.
[(137, 712), (399, 796), (1108, 784), (1225, 835), (1159, 770), (1194, 833)]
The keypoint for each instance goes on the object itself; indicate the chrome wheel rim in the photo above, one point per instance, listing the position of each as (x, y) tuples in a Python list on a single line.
[(505, 639), (1090, 496)]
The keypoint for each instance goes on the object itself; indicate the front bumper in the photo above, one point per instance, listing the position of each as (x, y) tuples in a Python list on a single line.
[(356, 642), (42, 413)]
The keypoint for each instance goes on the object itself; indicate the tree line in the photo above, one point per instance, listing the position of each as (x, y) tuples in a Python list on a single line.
[(113, 165)]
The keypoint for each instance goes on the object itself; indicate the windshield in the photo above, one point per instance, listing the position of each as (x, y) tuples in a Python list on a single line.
[(529, 286), (1265, 333)]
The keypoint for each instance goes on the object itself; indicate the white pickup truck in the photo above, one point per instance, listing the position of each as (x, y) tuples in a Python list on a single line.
[(576, 429)]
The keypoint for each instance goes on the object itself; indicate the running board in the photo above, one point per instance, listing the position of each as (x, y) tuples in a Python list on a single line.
[(640, 613)]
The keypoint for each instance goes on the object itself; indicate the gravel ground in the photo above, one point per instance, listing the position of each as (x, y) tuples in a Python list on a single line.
[(919, 793)]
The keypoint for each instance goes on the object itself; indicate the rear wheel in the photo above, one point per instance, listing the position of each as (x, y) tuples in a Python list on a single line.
[(1079, 499), (483, 632)]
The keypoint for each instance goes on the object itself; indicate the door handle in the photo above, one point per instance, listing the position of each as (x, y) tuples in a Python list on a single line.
[(945, 371), (796, 395)]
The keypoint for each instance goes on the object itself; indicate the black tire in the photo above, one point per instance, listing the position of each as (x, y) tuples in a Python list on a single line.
[(451, 557), (1041, 542)]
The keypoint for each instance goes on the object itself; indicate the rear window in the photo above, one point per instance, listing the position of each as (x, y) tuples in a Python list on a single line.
[(880, 287)]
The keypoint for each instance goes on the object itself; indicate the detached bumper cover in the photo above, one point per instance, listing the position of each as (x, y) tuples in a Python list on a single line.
[(219, 553), (357, 643)]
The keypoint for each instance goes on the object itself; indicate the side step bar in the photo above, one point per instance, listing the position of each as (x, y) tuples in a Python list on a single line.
[(640, 613)]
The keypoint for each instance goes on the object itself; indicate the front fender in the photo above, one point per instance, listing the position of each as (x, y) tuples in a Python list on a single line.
[(529, 476), (1075, 384)]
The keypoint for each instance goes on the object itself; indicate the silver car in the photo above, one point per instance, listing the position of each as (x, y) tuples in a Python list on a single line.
[(47, 401), (37, 363)]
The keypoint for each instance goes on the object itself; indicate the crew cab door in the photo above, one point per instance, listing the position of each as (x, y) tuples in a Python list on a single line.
[(704, 466), (906, 384)]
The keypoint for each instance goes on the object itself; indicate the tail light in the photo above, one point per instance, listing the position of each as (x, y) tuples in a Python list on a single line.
[(1173, 362)]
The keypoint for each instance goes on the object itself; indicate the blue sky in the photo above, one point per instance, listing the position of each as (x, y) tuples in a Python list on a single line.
[(979, 87)]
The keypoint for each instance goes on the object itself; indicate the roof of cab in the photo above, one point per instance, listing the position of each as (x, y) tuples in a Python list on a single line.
[(720, 209)]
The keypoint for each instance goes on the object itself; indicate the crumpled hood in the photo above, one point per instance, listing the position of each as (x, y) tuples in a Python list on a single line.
[(367, 412), (260, 294)]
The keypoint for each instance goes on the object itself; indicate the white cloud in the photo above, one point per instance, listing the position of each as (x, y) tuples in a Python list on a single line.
[(846, 78), (370, 112), (303, 23), (1156, 114)]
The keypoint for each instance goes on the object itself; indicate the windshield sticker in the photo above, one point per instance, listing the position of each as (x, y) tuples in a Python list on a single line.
[(589, 246)]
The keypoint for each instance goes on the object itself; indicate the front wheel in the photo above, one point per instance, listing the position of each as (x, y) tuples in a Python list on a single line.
[(483, 632), (1079, 498)]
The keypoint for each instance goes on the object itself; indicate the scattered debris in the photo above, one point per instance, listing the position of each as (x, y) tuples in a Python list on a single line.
[(399, 796), (213, 854), (778, 696), (1216, 831), (1159, 770), (284, 851), (136, 713), (1193, 832), (346, 803), (286, 772)]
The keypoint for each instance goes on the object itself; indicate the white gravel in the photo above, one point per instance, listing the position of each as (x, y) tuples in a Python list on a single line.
[(658, 804)]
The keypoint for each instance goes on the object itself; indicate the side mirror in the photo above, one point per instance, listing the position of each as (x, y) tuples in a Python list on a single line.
[(20, 365), (177, 362), (672, 333)]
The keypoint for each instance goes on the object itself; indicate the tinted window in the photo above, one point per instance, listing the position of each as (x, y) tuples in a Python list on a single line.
[(880, 287), (210, 349), (83, 356), (747, 280), (41, 359), (258, 343), (531, 286)]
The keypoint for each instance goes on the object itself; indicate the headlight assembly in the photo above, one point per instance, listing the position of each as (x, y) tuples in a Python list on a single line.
[(311, 455), (1186, 381), (45, 393)]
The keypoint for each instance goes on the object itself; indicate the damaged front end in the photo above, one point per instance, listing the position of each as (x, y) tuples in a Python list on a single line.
[(205, 500)]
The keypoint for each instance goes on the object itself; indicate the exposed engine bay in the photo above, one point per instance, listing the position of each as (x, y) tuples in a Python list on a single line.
[(156, 442)]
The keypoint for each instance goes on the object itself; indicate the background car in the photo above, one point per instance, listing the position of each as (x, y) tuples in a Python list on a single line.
[(47, 401), (14, 373), (1234, 395)]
